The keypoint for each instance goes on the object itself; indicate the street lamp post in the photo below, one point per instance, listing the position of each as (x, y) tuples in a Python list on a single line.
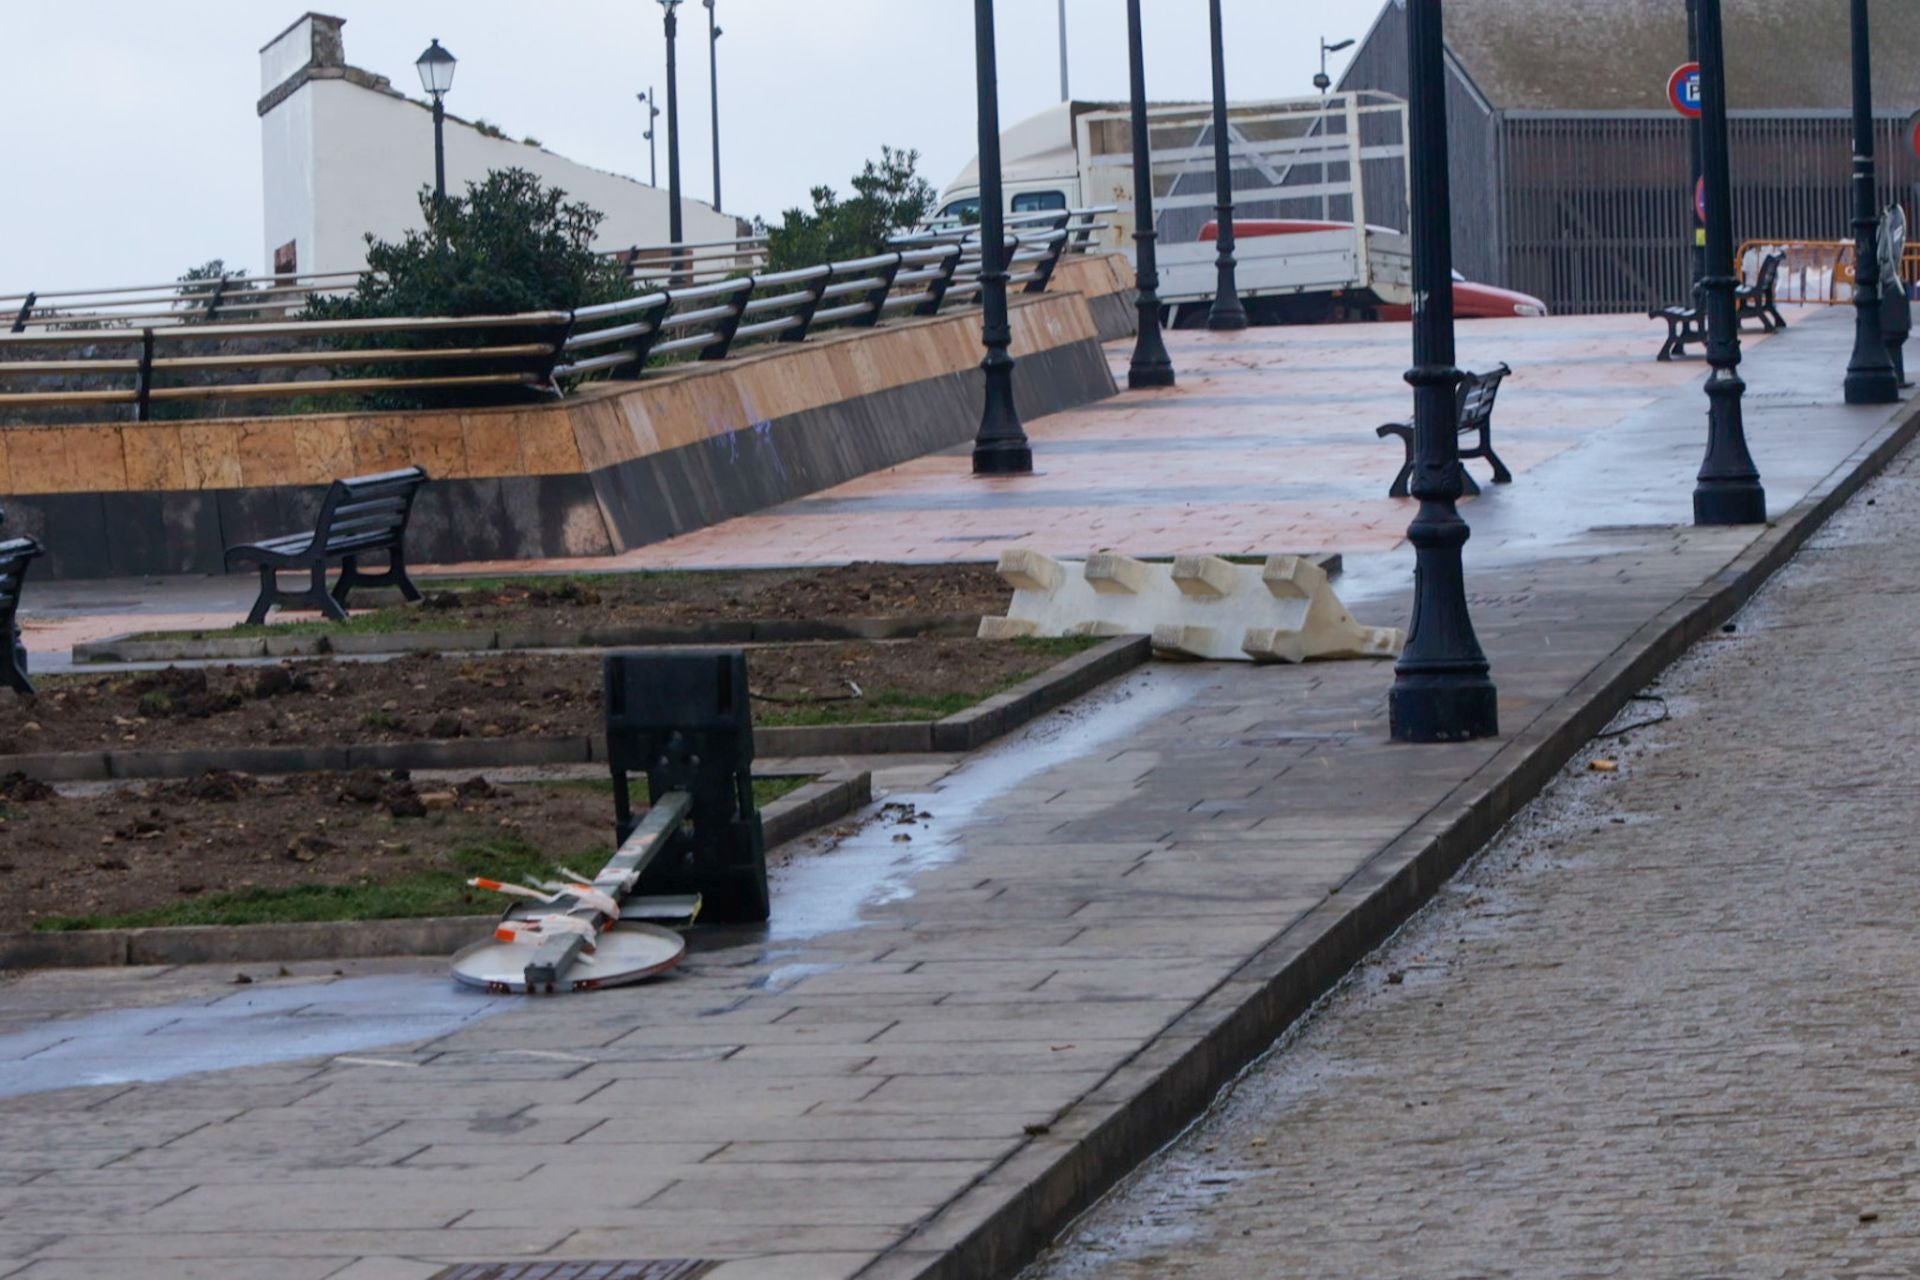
[(1000, 448), (1870, 374), (1442, 691), (713, 79), (436, 77), (1729, 489), (676, 229), (1064, 95), (1151, 366), (1227, 312), (653, 152), (1324, 83)]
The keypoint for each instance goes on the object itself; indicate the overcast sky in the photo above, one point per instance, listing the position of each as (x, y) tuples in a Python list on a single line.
[(134, 147)]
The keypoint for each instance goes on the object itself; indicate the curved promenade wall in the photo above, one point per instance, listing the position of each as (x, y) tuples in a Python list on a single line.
[(614, 467)]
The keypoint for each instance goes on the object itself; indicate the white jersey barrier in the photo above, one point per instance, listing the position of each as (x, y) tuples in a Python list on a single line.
[(1196, 607)]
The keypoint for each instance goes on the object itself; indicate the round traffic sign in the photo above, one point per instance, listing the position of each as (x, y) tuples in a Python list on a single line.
[(1683, 90)]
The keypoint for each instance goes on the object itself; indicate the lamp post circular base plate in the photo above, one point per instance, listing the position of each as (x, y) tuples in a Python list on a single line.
[(1148, 376), (1730, 504), (624, 954), (1016, 460), (1429, 711), (1873, 388), (1226, 322)]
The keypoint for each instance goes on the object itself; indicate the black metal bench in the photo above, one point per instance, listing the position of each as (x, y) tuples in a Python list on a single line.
[(363, 515), (1756, 301), (1473, 414), (1687, 326), (15, 555)]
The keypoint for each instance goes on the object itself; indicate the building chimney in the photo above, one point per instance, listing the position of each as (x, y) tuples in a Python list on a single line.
[(310, 45)]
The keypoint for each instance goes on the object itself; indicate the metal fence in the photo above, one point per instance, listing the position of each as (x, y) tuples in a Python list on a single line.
[(167, 361)]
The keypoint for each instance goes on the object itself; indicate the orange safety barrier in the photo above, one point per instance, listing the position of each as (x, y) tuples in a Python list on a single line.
[(1816, 272)]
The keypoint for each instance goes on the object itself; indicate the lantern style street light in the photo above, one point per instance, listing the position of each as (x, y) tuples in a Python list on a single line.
[(1870, 374), (653, 150), (1000, 448), (676, 229), (1441, 690), (436, 77), (713, 76), (1729, 489), (1227, 312), (1150, 366)]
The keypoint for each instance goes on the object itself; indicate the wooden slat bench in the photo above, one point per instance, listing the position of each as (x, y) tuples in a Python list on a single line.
[(1473, 415), (360, 516)]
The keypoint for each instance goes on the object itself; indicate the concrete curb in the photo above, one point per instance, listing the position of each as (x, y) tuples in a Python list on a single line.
[(130, 648), (962, 731), (997, 1226), (826, 799)]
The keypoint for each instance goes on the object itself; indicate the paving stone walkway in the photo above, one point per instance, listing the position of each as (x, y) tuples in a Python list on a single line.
[(941, 1008), (1669, 1025)]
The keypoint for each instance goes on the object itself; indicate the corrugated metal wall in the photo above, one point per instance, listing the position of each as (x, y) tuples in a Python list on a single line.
[(1599, 210)]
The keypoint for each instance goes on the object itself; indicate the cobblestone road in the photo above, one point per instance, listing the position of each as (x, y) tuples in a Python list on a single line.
[(1667, 1026)]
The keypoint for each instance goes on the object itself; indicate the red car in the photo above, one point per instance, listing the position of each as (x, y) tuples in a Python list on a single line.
[(1470, 301)]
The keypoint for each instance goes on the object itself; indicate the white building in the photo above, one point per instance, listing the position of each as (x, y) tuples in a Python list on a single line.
[(345, 154)]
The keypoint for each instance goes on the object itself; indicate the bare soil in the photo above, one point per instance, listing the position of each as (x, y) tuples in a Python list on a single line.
[(314, 702), (145, 848), (683, 599)]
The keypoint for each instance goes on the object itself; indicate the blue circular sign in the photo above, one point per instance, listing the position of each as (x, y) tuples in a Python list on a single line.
[(1683, 90)]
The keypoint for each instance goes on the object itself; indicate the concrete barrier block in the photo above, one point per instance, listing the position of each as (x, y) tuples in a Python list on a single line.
[(1206, 577), (1199, 607), (1113, 575)]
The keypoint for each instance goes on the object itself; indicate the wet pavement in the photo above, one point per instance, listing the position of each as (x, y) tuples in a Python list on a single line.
[(944, 1003), (1665, 1026)]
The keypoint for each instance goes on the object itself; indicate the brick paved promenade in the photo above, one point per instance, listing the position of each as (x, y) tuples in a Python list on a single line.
[(1667, 1026), (942, 1040)]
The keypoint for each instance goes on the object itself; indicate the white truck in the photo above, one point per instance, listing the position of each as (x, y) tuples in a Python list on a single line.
[(1319, 187)]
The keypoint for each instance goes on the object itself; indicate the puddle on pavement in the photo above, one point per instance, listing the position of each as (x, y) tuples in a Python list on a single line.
[(251, 1027), (829, 892)]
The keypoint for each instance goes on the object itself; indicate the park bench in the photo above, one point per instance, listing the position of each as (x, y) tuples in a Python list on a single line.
[(1687, 326), (1756, 301), (1473, 414), (360, 516), (15, 555)]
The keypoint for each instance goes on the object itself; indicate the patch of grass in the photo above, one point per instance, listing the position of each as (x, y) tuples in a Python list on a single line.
[(883, 705), (426, 893)]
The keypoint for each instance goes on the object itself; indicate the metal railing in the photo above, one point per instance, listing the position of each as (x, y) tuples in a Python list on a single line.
[(159, 363), (693, 262), (232, 299), (1816, 272)]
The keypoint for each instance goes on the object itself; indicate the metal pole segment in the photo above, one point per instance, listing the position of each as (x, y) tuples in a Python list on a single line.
[(713, 76), (1227, 312), (1870, 374), (439, 149), (1001, 447), (1729, 489), (1151, 366), (1442, 691), (1065, 96), (1697, 252), (675, 225)]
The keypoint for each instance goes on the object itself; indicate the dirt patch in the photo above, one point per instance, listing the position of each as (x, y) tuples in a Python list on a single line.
[(679, 599), (236, 848), (319, 702)]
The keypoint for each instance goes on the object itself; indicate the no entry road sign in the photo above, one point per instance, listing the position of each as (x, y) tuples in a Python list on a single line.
[(1683, 90)]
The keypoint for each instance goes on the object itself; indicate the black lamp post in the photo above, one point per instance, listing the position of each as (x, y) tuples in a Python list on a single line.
[(1870, 374), (713, 78), (675, 227), (1227, 312), (1729, 489), (1151, 366), (1441, 689), (1000, 449), (436, 77), (653, 153)]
